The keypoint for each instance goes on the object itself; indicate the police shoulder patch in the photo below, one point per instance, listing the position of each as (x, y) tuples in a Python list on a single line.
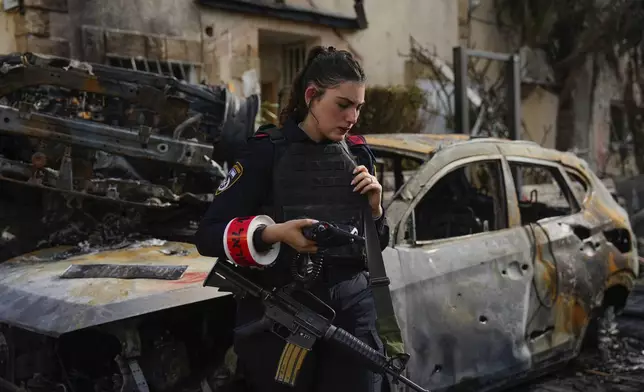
[(356, 140), (265, 127), (233, 175)]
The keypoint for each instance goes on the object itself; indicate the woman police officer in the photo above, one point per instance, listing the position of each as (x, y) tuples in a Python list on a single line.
[(307, 170)]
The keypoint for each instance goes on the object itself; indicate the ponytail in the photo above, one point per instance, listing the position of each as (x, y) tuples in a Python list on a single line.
[(325, 68)]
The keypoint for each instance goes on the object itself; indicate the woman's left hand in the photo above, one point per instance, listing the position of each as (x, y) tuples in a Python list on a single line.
[(366, 183)]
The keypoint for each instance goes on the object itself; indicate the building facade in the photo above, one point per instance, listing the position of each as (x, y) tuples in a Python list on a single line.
[(252, 45), (257, 46)]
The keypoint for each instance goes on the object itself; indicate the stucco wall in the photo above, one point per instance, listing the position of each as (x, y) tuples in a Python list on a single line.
[(539, 116), (39, 29), (157, 18), (233, 48), (7, 32), (179, 18), (381, 47), (432, 23)]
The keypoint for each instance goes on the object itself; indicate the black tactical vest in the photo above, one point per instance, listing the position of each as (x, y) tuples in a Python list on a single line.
[(314, 181)]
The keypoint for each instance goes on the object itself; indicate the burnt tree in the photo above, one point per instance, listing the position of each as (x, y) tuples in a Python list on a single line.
[(579, 37)]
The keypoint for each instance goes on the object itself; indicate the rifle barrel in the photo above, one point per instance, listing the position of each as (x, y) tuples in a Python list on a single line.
[(365, 353)]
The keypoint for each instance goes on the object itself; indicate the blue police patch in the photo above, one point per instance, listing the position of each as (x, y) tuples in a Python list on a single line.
[(233, 175)]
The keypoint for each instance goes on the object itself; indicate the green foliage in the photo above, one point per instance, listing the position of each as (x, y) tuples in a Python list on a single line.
[(268, 113), (393, 109)]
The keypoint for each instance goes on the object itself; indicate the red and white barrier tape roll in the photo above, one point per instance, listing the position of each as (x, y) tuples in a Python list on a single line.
[(238, 242)]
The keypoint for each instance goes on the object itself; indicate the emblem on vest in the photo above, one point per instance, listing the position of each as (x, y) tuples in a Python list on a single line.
[(233, 175)]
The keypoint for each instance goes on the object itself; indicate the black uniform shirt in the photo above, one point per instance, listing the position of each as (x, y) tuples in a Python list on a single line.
[(249, 186)]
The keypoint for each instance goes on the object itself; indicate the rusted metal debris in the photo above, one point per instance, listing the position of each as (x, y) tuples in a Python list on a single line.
[(37, 296), (91, 134), (96, 164)]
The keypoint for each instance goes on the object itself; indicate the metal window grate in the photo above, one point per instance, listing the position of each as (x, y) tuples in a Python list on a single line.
[(294, 58), (180, 70)]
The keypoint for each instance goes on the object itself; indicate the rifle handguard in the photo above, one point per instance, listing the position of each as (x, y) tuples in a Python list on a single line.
[(370, 357), (357, 346)]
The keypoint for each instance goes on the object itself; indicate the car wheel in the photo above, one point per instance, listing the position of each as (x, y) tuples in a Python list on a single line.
[(615, 298)]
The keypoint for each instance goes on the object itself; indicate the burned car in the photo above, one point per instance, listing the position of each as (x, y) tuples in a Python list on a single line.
[(502, 253), (97, 137), (102, 171)]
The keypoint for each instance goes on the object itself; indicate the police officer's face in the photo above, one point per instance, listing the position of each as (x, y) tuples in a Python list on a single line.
[(338, 109)]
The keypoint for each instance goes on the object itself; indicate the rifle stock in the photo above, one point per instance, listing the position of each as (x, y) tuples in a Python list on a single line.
[(289, 313)]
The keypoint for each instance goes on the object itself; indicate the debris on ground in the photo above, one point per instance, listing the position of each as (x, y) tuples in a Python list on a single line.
[(615, 365)]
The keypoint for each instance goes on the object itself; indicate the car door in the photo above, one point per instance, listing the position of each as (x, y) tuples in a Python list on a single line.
[(568, 262), (460, 270)]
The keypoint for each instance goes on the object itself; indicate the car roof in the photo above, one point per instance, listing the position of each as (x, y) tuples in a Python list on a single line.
[(421, 145), (418, 145)]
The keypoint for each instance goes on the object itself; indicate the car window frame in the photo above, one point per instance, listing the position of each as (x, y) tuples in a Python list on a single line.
[(589, 185), (576, 206), (408, 221)]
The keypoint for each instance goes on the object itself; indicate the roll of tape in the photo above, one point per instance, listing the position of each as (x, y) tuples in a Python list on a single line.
[(238, 242)]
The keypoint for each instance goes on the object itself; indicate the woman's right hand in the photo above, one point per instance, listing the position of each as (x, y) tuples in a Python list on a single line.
[(290, 233)]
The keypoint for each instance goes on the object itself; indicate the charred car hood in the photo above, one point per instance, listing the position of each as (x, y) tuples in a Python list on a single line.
[(35, 296)]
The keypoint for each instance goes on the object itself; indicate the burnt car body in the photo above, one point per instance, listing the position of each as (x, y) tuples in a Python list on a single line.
[(502, 253), (494, 280)]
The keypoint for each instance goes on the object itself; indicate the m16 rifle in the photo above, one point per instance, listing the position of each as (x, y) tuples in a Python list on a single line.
[(301, 318)]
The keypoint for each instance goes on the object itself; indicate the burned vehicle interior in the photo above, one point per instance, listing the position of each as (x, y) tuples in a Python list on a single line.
[(542, 192), (471, 199), (468, 200)]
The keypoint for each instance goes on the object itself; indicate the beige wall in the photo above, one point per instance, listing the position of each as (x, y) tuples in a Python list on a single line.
[(433, 23), (174, 18), (539, 115), (381, 48), (233, 50), (482, 33), (233, 47), (40, 29), (7, 32)]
